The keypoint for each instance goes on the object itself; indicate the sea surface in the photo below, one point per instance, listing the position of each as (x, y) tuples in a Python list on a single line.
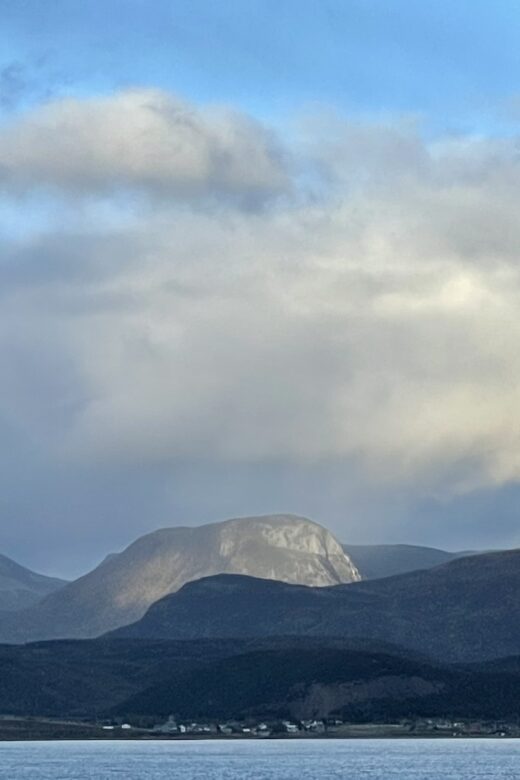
[(263, 760)]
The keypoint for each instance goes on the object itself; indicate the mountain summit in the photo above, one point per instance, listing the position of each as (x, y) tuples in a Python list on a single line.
[(278, 547)]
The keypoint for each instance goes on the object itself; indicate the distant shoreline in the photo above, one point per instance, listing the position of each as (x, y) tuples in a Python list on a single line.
[(47, 730), (281, 737)]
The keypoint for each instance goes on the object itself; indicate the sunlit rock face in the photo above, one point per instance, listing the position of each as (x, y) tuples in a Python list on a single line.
[(284, 547), (119, 591)]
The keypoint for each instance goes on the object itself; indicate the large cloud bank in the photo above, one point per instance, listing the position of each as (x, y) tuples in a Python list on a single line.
[(141, 139), (184, 284)]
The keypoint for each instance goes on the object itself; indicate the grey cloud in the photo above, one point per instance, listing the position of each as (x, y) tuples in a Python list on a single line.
[(143, 140), (244, 341)]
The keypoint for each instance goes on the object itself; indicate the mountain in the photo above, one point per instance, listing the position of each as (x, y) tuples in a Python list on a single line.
[(375, 561), (119, 591), (145, 681), (21, 587), (465, 610)]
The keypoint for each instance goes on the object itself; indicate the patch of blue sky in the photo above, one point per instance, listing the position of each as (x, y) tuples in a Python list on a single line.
[(28, 216), (455, 62)]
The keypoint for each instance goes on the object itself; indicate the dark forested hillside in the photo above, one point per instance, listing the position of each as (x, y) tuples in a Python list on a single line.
[(274, 678)]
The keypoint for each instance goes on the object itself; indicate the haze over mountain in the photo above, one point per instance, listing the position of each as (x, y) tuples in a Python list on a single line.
[(21, 587), (465, 610), (374, 561), (280, 547)]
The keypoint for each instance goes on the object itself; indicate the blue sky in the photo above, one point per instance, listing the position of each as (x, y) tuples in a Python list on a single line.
[(457, 63), (258, 256)]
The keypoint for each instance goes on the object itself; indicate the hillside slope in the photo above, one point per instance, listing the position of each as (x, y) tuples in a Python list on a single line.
[(303, 682), (276, 677)]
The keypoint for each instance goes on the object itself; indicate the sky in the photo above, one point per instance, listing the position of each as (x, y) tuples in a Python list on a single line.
[(258, 257)]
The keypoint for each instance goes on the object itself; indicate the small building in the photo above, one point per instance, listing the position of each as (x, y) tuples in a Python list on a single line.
[(262, 730), (225, 728), (314, 726), (170, 727)]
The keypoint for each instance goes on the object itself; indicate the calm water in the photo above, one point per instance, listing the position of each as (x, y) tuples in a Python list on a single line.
[(270, 760)]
